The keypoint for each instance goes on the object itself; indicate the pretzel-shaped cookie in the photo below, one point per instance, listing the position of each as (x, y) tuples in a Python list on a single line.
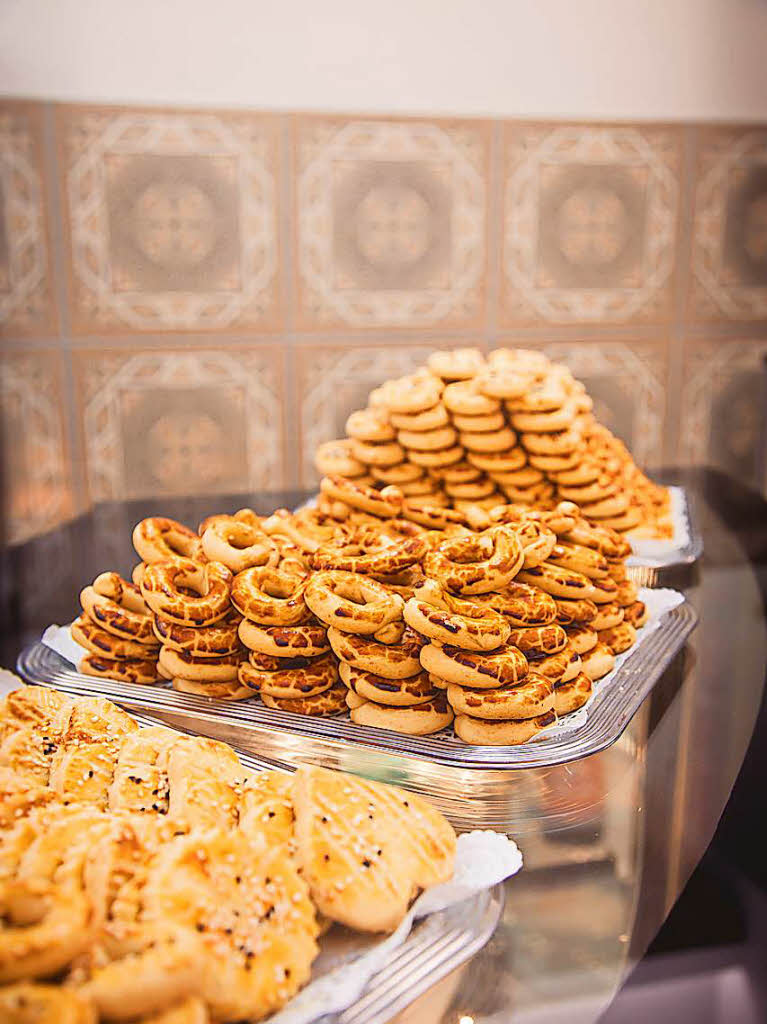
[(117, 606), (354, 604), (271, 596), (211, 584), (440, 616), (478, 563), (504, 667), (158, 539), (238, 545)]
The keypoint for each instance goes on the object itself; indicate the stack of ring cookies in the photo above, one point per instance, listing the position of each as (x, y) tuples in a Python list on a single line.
[(116, 631), (195, 622), (470, 432), (385, 684), (290, 664)]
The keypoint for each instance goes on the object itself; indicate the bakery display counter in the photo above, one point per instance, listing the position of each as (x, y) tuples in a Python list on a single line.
[(609, 840)]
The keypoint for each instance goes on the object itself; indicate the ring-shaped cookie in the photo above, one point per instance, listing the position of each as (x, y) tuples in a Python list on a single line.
[(561, 443), (559, 667), (608, 508), (125, 670), (334, 458), (532, 697), (271, 597), (314, 676), (476, 564), (556, 463), (580, 475), (384, 558), (354, 604), (537, 541), (99, 641), (494, 441), (582, 494), (636, 613), (479, 424), (402, 693), (118, 607), (456, 363), (472, 491), (544, 422), (211, 584), (232, 689), (307, 640), (498, 382), (582, 638), (455, 621), (586, 561), (419, 720), (503, 667), (577, 611), (498, 462), (386, 503), (181, 665), (369, 425), (404, 473), (465, 398), (528, 476), (158, 539), (560, 583), (572, 694), (427, 440), (203, 641), (392, 661), (620, 638), (432, 516), (383, 453), (521, 605), (601, 538), (481, 732), (411, 394), (437, 459), (598, 662), (607, 617), (322, 705), (427, 419), (238, 545), (538, 641)]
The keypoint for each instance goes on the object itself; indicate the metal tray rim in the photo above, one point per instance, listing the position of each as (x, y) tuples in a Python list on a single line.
[(609, 713)]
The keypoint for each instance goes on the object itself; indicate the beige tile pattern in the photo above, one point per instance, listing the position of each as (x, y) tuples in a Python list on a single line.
[(589, 223), (26, 295), (391, 222), (729, 247), (724, 407), (172, 219), (178, 422), (37, 485), (331, 381), (627, 381)]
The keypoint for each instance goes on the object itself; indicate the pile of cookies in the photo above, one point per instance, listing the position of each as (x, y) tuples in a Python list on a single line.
[(115, 629), (405, 613), (465, 431), (146, 877)]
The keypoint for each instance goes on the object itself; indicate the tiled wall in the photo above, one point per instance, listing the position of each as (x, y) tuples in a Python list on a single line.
[(190, 300)]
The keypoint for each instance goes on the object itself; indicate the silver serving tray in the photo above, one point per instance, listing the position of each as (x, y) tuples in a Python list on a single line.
[(427, 763), (642, 563)]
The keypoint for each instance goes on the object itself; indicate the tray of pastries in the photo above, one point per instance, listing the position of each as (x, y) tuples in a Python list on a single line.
[(153, 876), (376, 629)]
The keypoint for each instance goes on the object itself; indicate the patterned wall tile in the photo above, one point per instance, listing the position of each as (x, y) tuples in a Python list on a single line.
[(172, 219), (627, 381), (37, 485), (26, 295), (729, 247), (590, 223), (391, 222), (169, 423), (724, 408), (331, 381)]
